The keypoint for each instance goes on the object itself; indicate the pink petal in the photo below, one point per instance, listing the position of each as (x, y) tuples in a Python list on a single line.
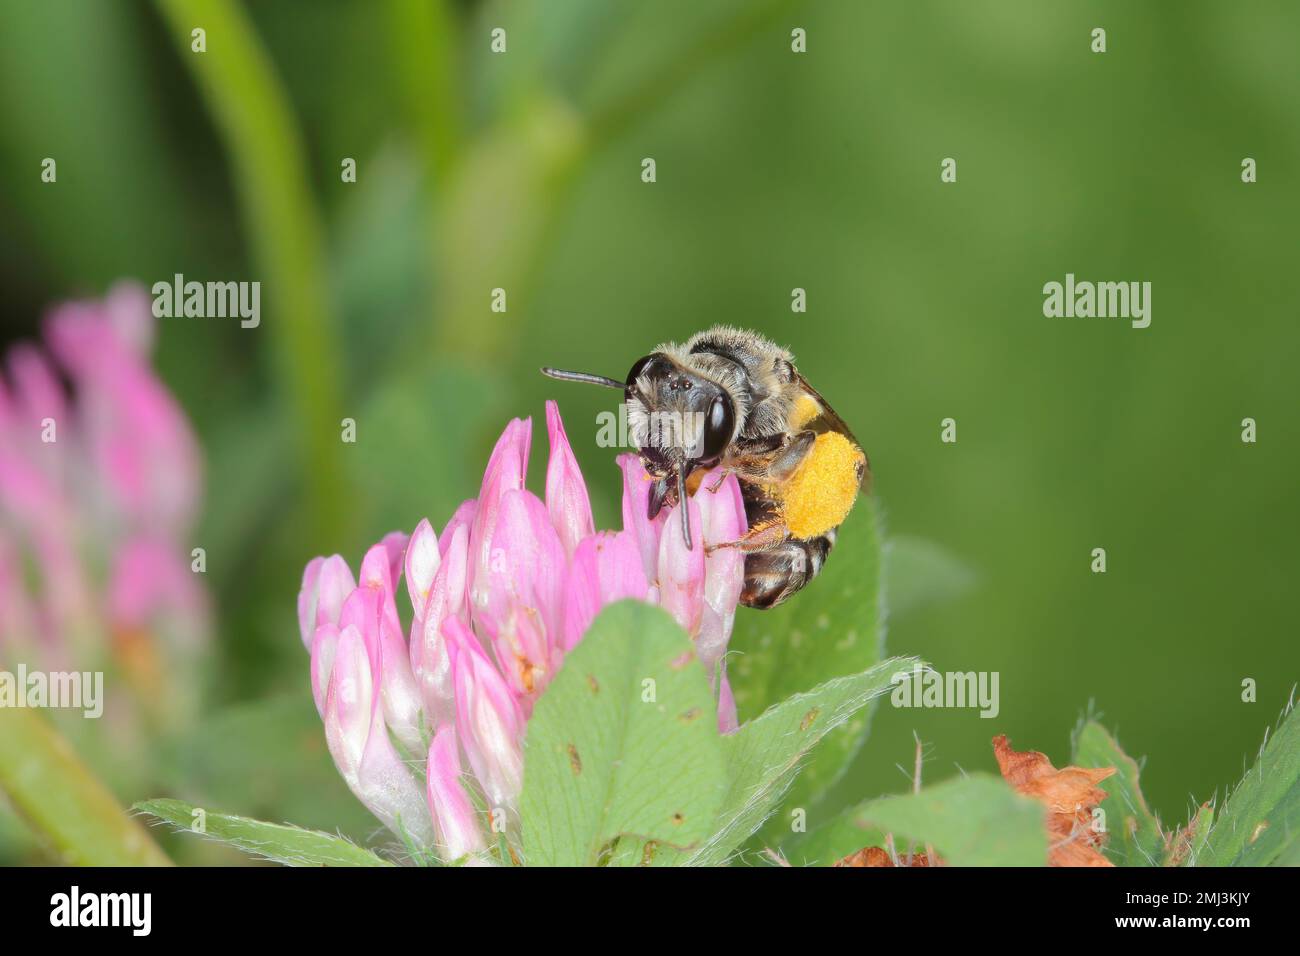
[(324, 645), (37, 506), (36, 388), (582, 591), (566, 492), (379, 570), (307, 598), (430, 662), (359, 744), (727, 722), (387, 787), (367, 610), (137, 436), (509, 459), (528, 561), (454, 818), (403, 704), (463, 516), (422, 560), (636, 503), (349, 699), (723, 521), (681, 572), (395, 545), (78, 336), (505, 472), (488, 719), (383, 562), (150, 583), (525, 658), (129, 310), (526, 575), (606, 568), (333, 585)]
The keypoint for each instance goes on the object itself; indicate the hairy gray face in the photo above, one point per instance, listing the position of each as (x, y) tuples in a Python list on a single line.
[(678, 419)]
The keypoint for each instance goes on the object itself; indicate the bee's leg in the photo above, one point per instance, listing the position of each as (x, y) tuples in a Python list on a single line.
[(722, 476), (769, 531), (760, 447), (750, 459), (762, 537), (771, 459), (785, 464)]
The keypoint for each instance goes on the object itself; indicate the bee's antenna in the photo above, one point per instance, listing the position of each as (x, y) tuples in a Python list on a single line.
[(582, 377), (684, 504)]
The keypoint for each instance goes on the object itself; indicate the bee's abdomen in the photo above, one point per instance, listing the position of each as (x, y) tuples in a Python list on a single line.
[(772, 576)]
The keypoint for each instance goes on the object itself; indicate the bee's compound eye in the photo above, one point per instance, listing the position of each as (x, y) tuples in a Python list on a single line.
[(637, 369), (718, 426)]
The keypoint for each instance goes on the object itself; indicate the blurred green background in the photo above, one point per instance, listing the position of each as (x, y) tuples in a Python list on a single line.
[(775, 171)]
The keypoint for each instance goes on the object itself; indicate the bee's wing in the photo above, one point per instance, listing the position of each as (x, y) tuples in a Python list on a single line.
[(828, 420)]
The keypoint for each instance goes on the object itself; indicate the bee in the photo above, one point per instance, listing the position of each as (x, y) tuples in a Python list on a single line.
[(731, 400)]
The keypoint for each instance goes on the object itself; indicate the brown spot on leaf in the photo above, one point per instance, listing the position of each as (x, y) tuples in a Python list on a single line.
[(574, 760), (606, 852), (809, 717), (648, 852), (678, 819), (593, 683), (687, 716), (1180, 846), (1259, 828)]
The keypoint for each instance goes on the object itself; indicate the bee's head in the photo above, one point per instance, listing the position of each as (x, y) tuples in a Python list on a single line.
[(678, 419)]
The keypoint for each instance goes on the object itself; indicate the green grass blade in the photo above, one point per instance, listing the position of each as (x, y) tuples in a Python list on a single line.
[(66, 804), (256, 123)]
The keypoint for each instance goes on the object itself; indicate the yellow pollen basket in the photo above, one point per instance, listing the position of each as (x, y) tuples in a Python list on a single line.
[(822, 490)]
